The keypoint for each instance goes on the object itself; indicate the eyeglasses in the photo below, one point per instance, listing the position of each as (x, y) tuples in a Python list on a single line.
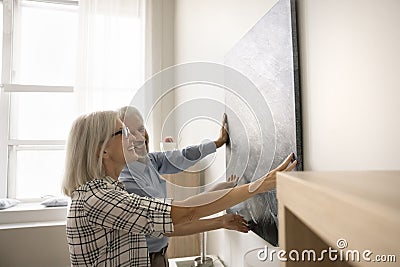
[(124, 131)]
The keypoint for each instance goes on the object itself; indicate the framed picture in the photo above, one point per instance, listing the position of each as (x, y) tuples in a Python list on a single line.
[(264, 113)]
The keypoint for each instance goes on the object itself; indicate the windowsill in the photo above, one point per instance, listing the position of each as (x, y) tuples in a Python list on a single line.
[(25, 215)]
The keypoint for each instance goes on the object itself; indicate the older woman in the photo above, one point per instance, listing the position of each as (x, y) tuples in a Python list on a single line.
[(106, 226)]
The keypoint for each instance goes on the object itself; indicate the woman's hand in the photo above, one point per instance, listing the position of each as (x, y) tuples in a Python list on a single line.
[(234, 222), (269, 180)]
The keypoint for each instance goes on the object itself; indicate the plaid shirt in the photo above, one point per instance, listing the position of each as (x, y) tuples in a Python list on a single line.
[(106, 226)]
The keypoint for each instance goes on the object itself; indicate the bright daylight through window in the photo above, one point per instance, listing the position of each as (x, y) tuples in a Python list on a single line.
[(39, 55), (39, 97)]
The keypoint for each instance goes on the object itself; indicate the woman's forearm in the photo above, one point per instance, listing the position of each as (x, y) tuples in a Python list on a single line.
[(227, 221), (197, 226), (222, 186), (209, 203)]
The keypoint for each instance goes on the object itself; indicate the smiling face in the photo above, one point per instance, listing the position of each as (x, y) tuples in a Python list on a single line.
[(121, 148), (135, 124)]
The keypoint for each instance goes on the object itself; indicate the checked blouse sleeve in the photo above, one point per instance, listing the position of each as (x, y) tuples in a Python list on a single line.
[(119, 210)]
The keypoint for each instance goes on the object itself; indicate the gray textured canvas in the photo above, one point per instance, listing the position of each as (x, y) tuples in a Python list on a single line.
[(264, 126)]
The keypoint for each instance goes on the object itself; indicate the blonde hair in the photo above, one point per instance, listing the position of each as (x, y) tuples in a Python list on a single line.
[(86, 142)]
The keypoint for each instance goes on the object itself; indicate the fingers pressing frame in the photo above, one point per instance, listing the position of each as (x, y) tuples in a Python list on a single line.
[(225, 123), (239, 218), (291, 166), (223, 137), (233, 178), (284, 165), (242, 224), (236, 222), (225, 127), (270, 177)]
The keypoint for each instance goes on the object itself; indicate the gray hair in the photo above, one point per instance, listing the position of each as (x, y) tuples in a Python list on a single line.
[(86, 142), (129, 111)]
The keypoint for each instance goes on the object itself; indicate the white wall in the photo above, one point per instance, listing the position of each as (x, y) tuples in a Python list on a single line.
[(159, 50), (350, 68), (349, 63), (34, 247), (206, 29)]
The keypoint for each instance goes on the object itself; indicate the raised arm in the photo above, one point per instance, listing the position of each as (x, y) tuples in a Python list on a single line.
[(205, 204), (230, 183), (175, 161)]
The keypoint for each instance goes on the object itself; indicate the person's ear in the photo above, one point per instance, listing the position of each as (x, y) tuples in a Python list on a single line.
[(105, 154), (146, 140)]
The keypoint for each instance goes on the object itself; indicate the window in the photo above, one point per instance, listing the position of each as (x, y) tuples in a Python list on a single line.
[(39, 99)]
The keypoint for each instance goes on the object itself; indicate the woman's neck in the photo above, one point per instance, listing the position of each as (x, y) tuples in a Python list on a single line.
[(112, 170)]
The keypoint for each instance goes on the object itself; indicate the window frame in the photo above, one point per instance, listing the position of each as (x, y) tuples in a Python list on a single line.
[(8, 146)]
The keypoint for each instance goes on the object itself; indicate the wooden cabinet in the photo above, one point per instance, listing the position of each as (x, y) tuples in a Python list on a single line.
[(354, 213), (181, 186)]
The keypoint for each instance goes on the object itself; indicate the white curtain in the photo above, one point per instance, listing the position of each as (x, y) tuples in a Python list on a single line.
[(110, 53)]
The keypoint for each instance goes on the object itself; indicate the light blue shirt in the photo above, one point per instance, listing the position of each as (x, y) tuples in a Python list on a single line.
[(144, 179)]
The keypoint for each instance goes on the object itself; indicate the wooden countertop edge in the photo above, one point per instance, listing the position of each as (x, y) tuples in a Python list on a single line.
[(332, 215)]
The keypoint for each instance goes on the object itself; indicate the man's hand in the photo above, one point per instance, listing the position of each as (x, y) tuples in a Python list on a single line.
[(223, 134), (232, 180), (234, 222)]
